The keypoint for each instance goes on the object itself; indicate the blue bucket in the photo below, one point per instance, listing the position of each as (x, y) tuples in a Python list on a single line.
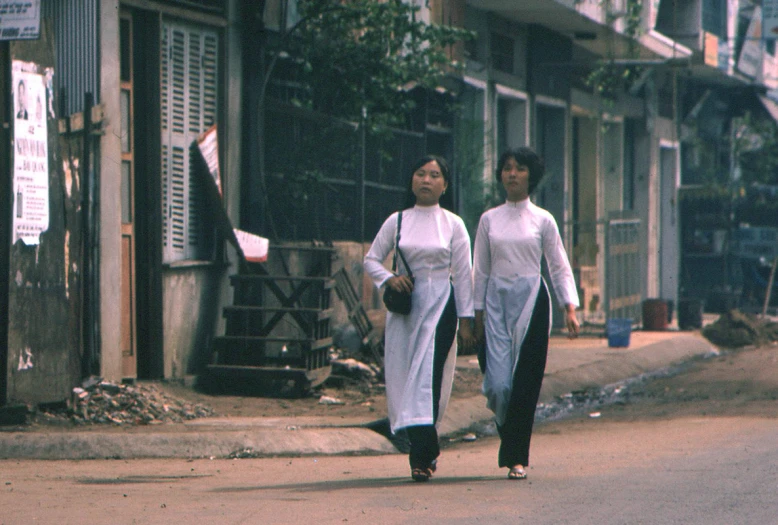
[(618, 331)]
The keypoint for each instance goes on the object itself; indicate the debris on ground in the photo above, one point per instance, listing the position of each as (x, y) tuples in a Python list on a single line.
[(329, 400), (735, 329), (99, 402), (349, 373), (244, 453), (352, 368)]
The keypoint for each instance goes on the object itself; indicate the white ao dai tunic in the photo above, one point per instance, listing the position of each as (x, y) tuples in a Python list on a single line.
[(509, 245), (436, 245)]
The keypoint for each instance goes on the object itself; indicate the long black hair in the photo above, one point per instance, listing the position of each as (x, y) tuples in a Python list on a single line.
[(445, 200), (524, 156)]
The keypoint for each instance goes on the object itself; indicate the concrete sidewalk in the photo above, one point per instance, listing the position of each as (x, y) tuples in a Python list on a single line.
[(573, 365)]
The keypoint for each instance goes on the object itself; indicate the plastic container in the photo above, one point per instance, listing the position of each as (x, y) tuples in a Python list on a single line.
[(689, 314), (619, 331), (655, 314)]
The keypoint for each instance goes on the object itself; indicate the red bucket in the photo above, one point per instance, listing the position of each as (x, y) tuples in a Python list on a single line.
[(654, 314)]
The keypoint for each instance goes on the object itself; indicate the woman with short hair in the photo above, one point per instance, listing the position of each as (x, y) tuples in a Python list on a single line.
[(512, 303)]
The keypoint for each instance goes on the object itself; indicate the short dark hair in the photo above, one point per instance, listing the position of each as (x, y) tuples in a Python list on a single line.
[(445, 200), (524, 156)]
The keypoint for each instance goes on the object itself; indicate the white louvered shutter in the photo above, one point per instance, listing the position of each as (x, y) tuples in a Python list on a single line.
[(189, 66)]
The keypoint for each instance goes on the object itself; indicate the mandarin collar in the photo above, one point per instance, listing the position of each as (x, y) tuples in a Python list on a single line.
[(520, 205), (432, 208)]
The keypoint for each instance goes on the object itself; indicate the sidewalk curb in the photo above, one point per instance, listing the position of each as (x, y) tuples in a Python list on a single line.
[(220, 440), (268, 442)]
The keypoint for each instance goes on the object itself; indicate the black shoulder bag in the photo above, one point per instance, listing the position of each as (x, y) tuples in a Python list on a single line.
[(398, 302)]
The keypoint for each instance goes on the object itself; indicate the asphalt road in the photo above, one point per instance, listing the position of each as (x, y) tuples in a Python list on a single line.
[(695, 448)]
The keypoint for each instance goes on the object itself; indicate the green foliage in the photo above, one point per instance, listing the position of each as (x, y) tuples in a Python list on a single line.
[(754, 144), (756, 149), (478, 194), (633, 20), (757, 208), (356, 55), (607, 79)]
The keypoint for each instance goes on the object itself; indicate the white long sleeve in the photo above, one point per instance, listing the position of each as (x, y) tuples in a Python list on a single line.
[(435, 243), (382, 245), (511, 241)]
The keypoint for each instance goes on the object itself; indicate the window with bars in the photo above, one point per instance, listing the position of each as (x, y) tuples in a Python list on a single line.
[(189, 82)]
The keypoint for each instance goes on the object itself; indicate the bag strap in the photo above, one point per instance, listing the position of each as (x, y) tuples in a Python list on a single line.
[(397, 248)]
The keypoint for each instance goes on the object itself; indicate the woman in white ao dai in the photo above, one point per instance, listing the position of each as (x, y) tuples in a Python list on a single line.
[(512, 304), (420, 350)]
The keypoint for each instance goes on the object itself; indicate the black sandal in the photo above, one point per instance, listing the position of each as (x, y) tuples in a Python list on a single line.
[(517, 472), (421, 474)]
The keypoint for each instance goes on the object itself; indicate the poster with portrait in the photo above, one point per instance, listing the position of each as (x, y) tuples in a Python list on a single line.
[(31, 153)]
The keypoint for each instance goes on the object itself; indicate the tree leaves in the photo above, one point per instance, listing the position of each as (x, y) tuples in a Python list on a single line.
[(356, 54)]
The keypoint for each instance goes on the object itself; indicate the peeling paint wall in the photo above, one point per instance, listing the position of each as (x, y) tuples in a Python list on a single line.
[(44, 296)]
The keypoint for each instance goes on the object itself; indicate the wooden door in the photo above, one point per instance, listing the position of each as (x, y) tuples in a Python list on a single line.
[(128, 319)]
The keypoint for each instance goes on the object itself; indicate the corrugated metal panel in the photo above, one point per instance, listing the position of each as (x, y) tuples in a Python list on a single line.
[(76, 37)]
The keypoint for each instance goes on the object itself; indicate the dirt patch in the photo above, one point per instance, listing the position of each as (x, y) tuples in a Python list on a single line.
[(741, 382)]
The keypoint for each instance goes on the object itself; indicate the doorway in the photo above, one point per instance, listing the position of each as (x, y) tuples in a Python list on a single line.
[(128, 289), (142, 355), (669, 247), (586, 236), (550, 145)]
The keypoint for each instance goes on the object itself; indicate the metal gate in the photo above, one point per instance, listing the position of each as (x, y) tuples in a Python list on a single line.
[(331, 182), (623, 290)]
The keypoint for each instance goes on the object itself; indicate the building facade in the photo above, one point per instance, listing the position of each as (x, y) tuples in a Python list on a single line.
[(130, 277)]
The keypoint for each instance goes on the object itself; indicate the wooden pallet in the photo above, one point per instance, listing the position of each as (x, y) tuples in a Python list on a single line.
[(278, 327), (358, 316)]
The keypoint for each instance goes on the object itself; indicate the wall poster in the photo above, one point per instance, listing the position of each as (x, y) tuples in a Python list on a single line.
[(31, 153)]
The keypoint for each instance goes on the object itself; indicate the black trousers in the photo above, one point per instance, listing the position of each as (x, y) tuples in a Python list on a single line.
[(516, 431), (423, 439)]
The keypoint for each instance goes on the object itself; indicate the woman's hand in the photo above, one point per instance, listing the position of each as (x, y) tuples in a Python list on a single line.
[(400, 283), (465, 339), (479, 332), (480, 339), (571, 320)]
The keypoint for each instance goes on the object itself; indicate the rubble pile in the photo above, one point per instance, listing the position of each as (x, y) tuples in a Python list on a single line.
[(97, 402), (354, 369), (736, 329), (350, 367)]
